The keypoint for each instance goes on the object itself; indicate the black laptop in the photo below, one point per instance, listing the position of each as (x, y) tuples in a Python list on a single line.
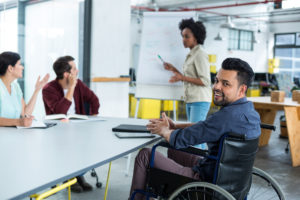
[(132, 131)]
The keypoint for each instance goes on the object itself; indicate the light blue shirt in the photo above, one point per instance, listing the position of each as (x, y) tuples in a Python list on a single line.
[(10, 104)]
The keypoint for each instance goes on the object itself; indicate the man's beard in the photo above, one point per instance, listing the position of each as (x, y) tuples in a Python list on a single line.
[(223, 102)]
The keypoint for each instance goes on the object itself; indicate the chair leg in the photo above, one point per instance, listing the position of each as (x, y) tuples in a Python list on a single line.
[(94, 174), (128, 164), (287, 147)]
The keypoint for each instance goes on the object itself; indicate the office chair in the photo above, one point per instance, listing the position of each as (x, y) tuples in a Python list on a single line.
[(93, 171)]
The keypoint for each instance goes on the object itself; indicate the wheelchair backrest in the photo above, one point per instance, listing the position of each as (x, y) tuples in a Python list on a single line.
[(233, 171)]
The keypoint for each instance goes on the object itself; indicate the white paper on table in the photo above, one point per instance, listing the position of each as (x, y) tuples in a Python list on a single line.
[(35, 124)]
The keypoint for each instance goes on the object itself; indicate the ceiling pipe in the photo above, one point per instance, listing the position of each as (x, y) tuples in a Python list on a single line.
[(231, 5), (205, 9), (211, 7)]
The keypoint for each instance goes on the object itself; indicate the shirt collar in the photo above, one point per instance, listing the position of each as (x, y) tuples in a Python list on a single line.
[(239, 101), (193, 50)]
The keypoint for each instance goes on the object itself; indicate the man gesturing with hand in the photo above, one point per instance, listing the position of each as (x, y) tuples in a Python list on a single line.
[(68, 95), (236, 115)]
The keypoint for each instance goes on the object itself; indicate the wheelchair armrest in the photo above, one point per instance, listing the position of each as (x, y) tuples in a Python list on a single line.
[(191, 150), (267, 126)]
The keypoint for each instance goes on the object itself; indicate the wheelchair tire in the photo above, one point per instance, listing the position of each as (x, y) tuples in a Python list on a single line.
[(264, 187), (200, 190)]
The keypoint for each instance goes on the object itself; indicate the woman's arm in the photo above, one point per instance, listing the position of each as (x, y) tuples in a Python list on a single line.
[(16, 122), (180, 77), (28, 109), (196, 81)]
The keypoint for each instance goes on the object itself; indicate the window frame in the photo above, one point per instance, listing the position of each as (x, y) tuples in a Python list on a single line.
[(287, 45), (293, 70), (239, 39)]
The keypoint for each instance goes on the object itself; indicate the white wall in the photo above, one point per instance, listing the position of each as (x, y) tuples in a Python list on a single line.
[(110, 54), (257, 58), (9, 30), (51, 31)]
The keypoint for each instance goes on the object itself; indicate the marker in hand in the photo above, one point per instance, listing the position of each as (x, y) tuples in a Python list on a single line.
[(160, 58)]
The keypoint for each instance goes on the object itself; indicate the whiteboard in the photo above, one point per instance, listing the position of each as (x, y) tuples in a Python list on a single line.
[(160, 35)]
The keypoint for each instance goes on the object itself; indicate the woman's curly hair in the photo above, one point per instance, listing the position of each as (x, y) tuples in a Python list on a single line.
[(197, 28)]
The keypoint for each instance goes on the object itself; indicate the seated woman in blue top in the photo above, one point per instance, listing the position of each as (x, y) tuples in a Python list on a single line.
[(13, 110)]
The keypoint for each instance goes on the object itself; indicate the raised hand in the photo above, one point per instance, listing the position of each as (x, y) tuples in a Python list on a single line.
[(41, 83)]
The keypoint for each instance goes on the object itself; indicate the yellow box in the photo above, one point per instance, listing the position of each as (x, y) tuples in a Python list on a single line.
[(271, 69), (167, 105), (148, 108), (274, 62), (212, 58), (253, 92), (213, 69)]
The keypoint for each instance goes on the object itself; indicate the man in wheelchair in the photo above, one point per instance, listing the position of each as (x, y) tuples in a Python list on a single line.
[(237, 115)]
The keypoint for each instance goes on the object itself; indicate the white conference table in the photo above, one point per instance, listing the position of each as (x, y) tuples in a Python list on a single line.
[(36, 159)]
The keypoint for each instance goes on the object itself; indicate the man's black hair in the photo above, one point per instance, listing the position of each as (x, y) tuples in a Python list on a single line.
[(61, 65), (197, 28), (245, 73), (8, 58)]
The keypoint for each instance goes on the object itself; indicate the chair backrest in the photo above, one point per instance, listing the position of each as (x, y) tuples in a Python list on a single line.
[(87, 108), (234, 169)]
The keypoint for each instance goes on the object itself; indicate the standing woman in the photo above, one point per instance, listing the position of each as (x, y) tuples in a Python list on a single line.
[(13, 110), (196, 71)]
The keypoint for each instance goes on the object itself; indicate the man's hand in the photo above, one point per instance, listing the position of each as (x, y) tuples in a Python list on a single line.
[(72, 80), (161, 127), (40, 84), (176, 77)]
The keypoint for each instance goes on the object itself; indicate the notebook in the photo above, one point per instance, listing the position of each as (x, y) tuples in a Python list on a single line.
[(38, 125), (132, 131), (131, 128)]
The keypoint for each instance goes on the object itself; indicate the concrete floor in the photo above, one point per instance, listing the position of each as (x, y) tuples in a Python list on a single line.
[(272, 159)]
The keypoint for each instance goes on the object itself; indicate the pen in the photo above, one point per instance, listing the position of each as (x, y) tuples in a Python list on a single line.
[(160, 58), (28, 116)]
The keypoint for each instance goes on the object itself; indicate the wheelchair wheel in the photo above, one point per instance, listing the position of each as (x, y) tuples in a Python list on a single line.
[(200, 190), (264, 187)]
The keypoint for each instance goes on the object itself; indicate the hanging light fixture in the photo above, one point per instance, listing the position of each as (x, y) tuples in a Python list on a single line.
[(218, 37), (228, 23), (254, 40)]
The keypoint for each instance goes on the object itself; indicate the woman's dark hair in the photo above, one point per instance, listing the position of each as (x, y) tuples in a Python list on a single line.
[(245, 73), (61, 65), (8, 58), (197, 28)]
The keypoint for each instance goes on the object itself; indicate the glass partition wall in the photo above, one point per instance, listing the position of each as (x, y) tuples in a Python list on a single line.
[(41, 31)]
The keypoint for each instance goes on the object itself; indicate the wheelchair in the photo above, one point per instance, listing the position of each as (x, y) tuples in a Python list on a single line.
[(234, 177)]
